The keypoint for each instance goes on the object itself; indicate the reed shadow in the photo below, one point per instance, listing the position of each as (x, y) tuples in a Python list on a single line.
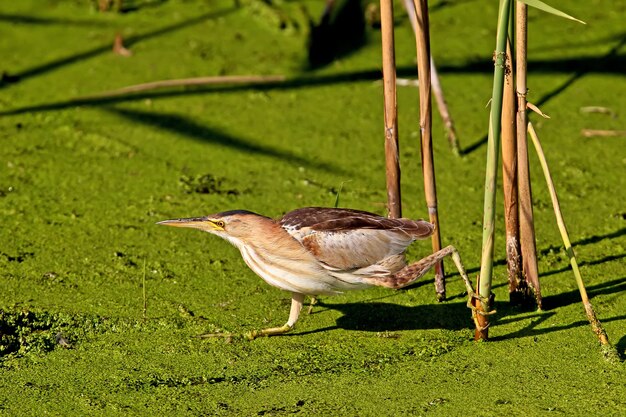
[(49, 21), (187, 127), (305, 81), (615, 286), (621, 347), (131, 40), (532, 331), (608, 63), (586, 263), (134, 5), (474, 146), (587, 241)]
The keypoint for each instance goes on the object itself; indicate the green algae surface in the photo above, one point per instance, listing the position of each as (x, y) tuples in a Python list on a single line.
[(82, 184)]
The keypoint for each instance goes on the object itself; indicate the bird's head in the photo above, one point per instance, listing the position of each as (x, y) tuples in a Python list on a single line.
[(235, 226)]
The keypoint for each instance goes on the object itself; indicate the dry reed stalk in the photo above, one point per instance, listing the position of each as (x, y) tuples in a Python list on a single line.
[(526, 220), (422, 40), (119, 48), (187, 82), (596, 326), (394, 202), (409, 6), (509, 181), (443, 109)]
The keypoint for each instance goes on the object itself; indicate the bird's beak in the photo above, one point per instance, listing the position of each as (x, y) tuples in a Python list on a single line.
[(202, 223)]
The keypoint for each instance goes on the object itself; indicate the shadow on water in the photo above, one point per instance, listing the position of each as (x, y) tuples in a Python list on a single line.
[(587, 241), (127, 6), (379, 316), (71, 59), (608, 64), (304, 81), (294, 83), (340, 32), (586, 263), (621, 347), (615, 286), (44, 21), (187, 127)]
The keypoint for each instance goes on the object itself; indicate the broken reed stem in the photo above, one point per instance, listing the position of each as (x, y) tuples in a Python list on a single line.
[(422, 40), (443, 109), (187, 82), (526, 218), (489, 210), (394, 202), (591, 315), (509, 181), (409, 7)]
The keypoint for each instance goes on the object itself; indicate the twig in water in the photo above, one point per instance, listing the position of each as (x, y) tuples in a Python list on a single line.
[(187, 82), (589, 133), (598, 109)]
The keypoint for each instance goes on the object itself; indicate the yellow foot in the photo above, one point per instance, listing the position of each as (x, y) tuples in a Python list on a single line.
[(272, 331), (313, 303)]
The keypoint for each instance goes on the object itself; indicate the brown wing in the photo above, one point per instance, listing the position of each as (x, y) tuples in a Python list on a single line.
[(347, 239)]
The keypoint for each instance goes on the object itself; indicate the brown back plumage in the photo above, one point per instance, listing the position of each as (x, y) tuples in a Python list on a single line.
[(336, 220), (345, 239)]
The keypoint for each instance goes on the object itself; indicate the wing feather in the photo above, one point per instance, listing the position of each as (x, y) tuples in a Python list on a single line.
[(344, 239)]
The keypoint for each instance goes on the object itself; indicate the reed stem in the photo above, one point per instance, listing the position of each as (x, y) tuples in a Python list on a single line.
[(596, 326), (394, 202), (526, 218), (442, 106), (509, 181), (422, 40), (486, 264)]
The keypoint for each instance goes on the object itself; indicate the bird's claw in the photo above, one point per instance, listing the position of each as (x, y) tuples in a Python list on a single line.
[(471, 296), (313, 303), (252, 334)]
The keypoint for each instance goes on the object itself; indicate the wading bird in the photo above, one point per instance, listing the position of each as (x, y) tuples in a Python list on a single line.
[(324, 251)]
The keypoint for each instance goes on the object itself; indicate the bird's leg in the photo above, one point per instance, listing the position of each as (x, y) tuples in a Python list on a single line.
[(297, 300), (413, 272), (313, 302)]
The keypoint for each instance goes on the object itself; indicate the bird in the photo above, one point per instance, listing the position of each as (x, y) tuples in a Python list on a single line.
[(315, 251)]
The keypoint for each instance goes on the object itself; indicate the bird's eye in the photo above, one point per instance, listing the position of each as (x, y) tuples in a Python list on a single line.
[(220, 223)]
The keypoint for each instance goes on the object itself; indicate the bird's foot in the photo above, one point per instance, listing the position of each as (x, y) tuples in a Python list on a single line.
[(313, 303), (272, 331)]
